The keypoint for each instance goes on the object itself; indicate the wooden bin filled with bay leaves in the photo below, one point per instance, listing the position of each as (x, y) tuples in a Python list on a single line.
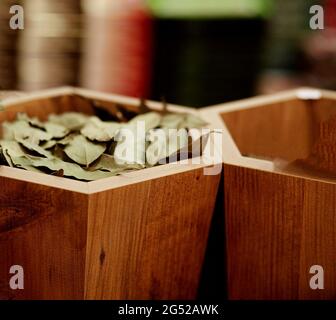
[(141, 235), (279, 154)]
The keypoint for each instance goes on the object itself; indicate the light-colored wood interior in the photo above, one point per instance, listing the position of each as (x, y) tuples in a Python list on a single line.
[(290, 132), (291, 135), (286, 130)]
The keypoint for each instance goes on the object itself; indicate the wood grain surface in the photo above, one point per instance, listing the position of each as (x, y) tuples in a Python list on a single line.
[(286, 130), (143, 241), (277, 227), (42, 229), (321, 161), (147, 240)]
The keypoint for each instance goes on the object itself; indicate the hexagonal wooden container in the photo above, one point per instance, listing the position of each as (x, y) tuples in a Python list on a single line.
[(137, 236), (280, 214)]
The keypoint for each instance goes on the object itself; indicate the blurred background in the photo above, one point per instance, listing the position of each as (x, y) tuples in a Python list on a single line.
[(191, 52)]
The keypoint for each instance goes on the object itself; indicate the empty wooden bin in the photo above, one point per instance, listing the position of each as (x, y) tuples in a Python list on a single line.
[(279, 154), (137, 236)]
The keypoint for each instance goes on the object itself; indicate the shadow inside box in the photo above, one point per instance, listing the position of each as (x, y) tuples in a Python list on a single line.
[(213, 284)]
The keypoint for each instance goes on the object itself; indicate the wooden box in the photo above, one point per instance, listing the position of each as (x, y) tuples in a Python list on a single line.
[(279, 155), (137, 236)]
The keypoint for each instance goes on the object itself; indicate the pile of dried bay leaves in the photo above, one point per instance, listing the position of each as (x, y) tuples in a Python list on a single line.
[(87, 148)]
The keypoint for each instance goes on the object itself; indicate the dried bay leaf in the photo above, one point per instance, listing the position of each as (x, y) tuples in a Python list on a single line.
[(192, 121), (8, 158), (23, 160), (157, 148), (56, 165), (25, 163), (11, 149), (107, 163), (56, 130), (83, 151), (48, 144), (172, 121), (71, 120), (164, 144), (151, 120), (30, 168), (131, 146), (21, 129), (182, 120), (98, 130), (32, 121), (72, 170), (194, 148), (35, 148), (67, 139), (59, 153), (3, 158), (111, 147), (8, 129), (71, 140)]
